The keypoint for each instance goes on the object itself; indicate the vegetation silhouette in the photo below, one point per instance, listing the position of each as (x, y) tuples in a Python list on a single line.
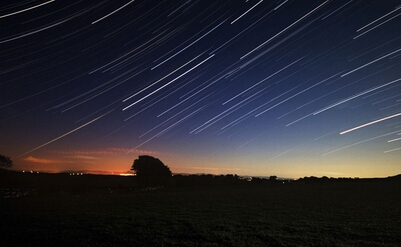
[(5, 162), (203, 180), (201, 210), (151, 171)]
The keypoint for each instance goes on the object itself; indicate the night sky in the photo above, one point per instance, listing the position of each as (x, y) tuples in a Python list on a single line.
[(287, 88)]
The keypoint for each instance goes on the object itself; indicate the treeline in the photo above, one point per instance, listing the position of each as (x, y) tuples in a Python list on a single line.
[(233, 179), (48, 183), (211, 180), (324, 179), (55, 182), (64, 183)]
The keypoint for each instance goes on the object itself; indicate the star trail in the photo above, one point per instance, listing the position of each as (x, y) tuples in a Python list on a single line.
[(287, 88)]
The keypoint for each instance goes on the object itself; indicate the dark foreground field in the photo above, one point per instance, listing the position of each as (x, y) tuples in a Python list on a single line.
[(366, 213)]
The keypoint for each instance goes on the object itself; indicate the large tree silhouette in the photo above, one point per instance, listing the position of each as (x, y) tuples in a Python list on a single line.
[(5, 162), (151, 171)]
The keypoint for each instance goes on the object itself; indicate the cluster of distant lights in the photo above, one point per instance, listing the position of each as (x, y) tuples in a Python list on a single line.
[(81, 173), (121, 174), (71, 174), (30, 172)]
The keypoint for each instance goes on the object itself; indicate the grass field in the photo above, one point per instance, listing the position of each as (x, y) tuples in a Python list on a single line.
[(322, 214)]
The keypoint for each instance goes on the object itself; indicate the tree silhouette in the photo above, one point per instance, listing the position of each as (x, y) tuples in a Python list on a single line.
[(151, 171), (5, 162)]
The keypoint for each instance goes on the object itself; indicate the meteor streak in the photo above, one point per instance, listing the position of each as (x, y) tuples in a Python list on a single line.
[(392, 150), (370, 123), (393, 140), (55, 139)]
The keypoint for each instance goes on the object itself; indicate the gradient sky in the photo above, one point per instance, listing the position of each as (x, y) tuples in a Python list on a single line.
[(287, 88)]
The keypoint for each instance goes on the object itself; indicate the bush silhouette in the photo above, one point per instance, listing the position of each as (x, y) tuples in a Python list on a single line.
[(5, 162), (151, 171)]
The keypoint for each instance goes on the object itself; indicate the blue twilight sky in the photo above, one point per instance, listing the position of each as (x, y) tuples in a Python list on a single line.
[(287, 88)]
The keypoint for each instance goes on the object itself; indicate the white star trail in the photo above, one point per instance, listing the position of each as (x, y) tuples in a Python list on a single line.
[(30, 8), (398, 8), (239, 17), (186, 47), (164, 77), (170, 118), (335, 11), (165, 85), (165, 130), (209, 122), (355, 96), (285, 29), (360, 142), (301, 92), (41, 29), (281, 4), (367, 31), (126, 54), (113, 12), (363, 66), (270, 76)]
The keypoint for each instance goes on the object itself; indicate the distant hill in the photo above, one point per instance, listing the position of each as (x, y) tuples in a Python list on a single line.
[(396, 177)]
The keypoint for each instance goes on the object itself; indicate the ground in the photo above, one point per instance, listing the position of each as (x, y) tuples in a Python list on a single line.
[(363, 213)]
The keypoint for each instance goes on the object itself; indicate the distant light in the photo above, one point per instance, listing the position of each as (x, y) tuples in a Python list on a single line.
[(126, 174)]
